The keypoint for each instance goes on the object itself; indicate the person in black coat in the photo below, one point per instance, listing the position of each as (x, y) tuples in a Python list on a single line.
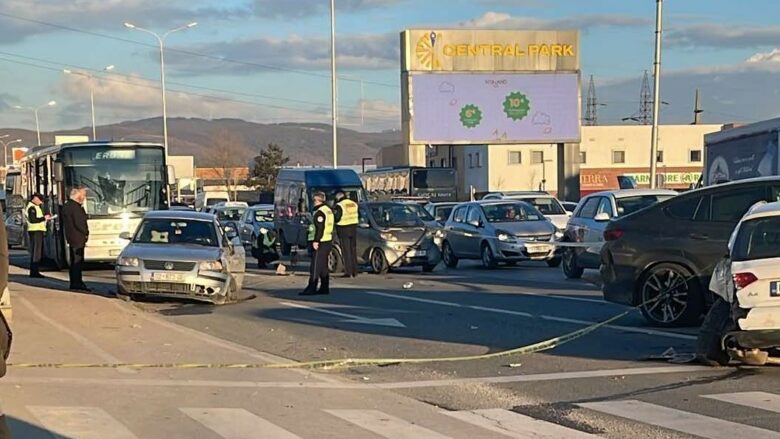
[(74, 220)]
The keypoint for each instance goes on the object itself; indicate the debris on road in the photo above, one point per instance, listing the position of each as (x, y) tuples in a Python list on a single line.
[(408, 285), (281, 270), (513, 365)]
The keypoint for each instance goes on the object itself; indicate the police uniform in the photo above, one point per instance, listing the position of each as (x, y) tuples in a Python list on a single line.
[(36, 227), (323, 222), (346, 215)]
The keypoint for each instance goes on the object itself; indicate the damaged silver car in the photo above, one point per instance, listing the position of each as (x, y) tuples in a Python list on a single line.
[(181, 254)]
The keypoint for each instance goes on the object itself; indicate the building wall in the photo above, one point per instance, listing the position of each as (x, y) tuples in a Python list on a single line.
[(537, 164)]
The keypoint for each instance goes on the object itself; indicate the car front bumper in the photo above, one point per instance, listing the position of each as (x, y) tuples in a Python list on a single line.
[(198, 285), (524, 251), (759, 339), (398, 256)]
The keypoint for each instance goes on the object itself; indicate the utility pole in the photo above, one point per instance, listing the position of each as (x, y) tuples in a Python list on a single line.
[(645, 102), (697, 109), (333, 83), (656, 93), (591, 110)]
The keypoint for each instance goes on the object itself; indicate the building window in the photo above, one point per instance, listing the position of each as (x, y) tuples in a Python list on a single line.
[(454, 164), (443, 163), (515, 158), (432, 164), (478, 160), (695, 155), (471, 160), (659, 157), (537, 157), (583, 157), (618, 157)]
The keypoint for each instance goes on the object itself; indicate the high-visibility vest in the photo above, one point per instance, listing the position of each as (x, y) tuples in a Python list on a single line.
[(330, 219), (349, 212), (312, 233), (31, 226)]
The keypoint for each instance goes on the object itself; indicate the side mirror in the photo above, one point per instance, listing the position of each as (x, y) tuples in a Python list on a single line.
[(602, 217), (476, 223), (171, 174), (57, 172), (126, 236)]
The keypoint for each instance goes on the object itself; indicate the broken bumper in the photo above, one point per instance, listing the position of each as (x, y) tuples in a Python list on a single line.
[(198, 285)]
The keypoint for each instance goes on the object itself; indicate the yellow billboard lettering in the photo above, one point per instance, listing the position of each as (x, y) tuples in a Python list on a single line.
[(449, 50), (473, 50), (557, 50), (533, 49), (568, 50), (544, 50), (519, 51), (509, 50), (484, 49), (461, 50), (497, 50)]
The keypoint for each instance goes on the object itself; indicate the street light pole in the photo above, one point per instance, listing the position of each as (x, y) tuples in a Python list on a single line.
[(656, 93), (333, 83), (161, 41), (35, 111)]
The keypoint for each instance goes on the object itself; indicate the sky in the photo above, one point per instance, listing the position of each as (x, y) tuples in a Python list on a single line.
[(268, 60)]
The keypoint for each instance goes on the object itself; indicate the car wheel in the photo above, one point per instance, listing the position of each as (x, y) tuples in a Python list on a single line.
[(488, 259), (427, 268), (450, 260), (709, 347), (554, 262), (335, 263), (670, 296), (285, 246), (570, 268), (379, 261)]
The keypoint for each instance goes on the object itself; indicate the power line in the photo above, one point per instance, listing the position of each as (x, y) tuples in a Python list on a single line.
[(191, 53)]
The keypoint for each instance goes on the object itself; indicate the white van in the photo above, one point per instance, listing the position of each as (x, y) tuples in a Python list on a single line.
[(207, 199)]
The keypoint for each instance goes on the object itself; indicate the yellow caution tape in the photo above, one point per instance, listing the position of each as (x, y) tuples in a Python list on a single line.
[(337, 363)]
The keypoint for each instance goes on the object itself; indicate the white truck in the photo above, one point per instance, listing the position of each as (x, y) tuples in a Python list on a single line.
[(736, 153), (206, 199)]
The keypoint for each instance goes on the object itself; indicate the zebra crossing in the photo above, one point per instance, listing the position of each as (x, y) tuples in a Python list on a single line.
[(82, 422)]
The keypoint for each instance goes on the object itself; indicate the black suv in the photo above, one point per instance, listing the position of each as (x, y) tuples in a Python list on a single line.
[(662, 257)]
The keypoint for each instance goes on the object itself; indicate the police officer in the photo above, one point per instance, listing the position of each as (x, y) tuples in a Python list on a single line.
[(321, 244), (36, 227), (346, 216)]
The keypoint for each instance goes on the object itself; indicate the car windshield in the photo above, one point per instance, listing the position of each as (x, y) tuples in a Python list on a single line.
[(177, 231), (442, 213), (394, 215), (758, 239), (629, 205), (421, 212), (511, 213), (230, 213), (264, 216), (546, 205)]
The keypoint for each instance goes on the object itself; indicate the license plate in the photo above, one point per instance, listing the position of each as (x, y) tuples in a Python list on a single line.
[(774, 291), (417, 253), (168, 277), (114, 252), (537, 248)]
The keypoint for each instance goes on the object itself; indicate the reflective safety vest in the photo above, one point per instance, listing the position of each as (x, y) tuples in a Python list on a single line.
[(312, 232), (330, 219), (35, 227), (349, 212)]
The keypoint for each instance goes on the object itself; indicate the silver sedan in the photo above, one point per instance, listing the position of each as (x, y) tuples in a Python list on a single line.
[(181, 254)]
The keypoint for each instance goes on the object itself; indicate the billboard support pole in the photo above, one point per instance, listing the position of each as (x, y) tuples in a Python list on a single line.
[(656, 93), (333, 82)]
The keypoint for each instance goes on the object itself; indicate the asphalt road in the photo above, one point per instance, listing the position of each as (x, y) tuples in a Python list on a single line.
[(471, 311)]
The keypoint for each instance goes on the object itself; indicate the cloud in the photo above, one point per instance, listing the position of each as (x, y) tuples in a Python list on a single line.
[(723, 36), (773, 56), (582, 22), (275, 9), (369, 51)]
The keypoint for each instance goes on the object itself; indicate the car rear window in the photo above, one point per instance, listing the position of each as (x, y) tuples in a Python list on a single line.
[(546, 205), (758, 239), (629, 205)]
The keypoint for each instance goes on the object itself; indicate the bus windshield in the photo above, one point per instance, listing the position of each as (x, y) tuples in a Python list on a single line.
[(126, 179)]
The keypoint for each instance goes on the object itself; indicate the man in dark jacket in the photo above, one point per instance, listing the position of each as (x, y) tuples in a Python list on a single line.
[(323, 221), (36, 228), (74, 220)]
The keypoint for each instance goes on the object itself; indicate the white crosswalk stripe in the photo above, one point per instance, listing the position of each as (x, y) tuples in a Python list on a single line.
[(237, 423), (385, 425), (679, 420), (517, 426), (759, 400), (80, 423)]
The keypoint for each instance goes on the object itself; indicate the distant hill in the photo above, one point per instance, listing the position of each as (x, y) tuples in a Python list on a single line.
[(307, 143)]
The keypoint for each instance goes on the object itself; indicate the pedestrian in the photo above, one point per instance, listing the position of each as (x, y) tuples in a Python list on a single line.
[(321, 243), (36, 228), (74, 219), (346, 216), (5, 329)]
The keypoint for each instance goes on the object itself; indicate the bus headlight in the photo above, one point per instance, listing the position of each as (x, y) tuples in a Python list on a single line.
[(210, 266), (127, 262)]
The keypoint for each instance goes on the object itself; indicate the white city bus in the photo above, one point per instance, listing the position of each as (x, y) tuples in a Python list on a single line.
[(123, 180)]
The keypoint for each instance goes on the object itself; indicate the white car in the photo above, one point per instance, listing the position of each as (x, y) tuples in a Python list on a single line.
[(744, 322), (550, 207)]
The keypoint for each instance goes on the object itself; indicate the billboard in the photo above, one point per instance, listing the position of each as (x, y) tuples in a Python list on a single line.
[(747, 157), (464, 50), (495, 108)]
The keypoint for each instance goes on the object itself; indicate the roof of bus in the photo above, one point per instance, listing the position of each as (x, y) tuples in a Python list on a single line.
[(322, 177), (41, 150), (401, 168)]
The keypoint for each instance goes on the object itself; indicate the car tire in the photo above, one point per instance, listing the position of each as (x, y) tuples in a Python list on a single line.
[(681, 304), (335, 262), (285, 246), (450, 260), (488, 259), (570, 268), (554, 262), (709, 346), (379, 261), (428, 268)]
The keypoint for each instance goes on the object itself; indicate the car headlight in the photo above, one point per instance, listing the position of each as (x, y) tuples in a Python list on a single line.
[(127, 262), (388, 236), (438, 240), (558, 234), (505, 236), (263, 230), (210, 266)]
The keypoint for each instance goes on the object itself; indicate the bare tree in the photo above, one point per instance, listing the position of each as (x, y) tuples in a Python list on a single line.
[(226, 158)]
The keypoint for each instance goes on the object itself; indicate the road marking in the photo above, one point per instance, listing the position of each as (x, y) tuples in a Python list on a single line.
[(517, 426), (385, 425), (349, 318), (678, 420), (92, 347), (80, 423), (758, 400), (237, 424), (545, 317)]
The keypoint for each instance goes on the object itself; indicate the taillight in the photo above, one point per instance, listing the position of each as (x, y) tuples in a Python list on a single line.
[(741, 280), (613, 234)]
